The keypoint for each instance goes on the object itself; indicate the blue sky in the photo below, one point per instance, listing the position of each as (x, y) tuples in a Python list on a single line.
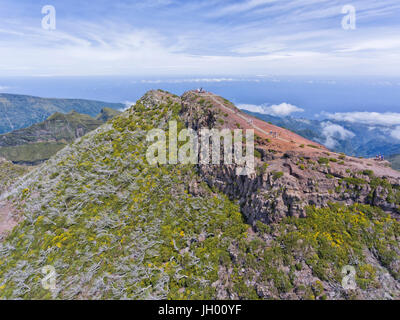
[(193, 38)]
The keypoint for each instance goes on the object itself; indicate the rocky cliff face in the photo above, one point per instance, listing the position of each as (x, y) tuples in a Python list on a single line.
[(291, 183), (292, 173)]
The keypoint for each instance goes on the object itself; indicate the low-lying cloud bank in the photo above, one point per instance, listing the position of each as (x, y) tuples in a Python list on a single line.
[(277, 110), (387, 123), (395, 133), (370, 118), (198, 80), (127, 104), (331, 132)]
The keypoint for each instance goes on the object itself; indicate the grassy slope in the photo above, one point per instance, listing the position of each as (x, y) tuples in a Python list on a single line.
[(115, 227), (31, 153), (9, 172)]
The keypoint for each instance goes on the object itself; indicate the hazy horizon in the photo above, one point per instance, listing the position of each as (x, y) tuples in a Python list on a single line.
[(311, 96)]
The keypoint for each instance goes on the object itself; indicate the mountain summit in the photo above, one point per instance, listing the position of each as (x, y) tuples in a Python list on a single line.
[(112, 226)]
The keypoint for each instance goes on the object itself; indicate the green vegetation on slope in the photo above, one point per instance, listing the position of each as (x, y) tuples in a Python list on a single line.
[(326, 241), (126, 230), (114, 227), (9, 172), (31, 153)]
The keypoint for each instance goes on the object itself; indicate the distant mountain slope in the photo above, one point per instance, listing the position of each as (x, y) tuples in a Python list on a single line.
[(114, 226), (40, 141), (360, 140), (395, 161), (107, 114), (21, 111)]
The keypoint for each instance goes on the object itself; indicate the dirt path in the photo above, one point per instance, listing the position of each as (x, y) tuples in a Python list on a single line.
[(247, 119), (7, 221)]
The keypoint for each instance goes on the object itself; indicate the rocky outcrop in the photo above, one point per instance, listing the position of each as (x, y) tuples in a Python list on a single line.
[(271, 195), (288, 181)]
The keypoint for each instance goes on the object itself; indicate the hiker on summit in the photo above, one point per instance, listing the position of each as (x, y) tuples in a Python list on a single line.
[(380, 157)]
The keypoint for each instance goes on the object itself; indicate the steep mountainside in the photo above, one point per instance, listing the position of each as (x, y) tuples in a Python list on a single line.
[(114, 226), (39, 142), (20, 111)]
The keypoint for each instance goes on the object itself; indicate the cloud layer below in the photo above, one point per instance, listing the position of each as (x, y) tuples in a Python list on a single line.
[(370, 118), (331, 132), (277, 110)]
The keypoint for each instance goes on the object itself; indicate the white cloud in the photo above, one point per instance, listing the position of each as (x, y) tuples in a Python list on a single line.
[(198, 80), (259, 47), (371, 118), (277, 110), (127, 104), (306, 121), (395, 133), (331, 132), (373, 44), (3, 88), (241, 7), (257, 36)]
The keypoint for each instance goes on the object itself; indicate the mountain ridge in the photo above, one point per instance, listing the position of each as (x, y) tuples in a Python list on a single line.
[(20, 111), (40, 141), (115, 227)]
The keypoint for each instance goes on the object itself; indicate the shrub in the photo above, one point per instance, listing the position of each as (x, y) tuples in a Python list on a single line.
[(368, 173), (263, 168), (277, 175), (355, 181), (323, 161)]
